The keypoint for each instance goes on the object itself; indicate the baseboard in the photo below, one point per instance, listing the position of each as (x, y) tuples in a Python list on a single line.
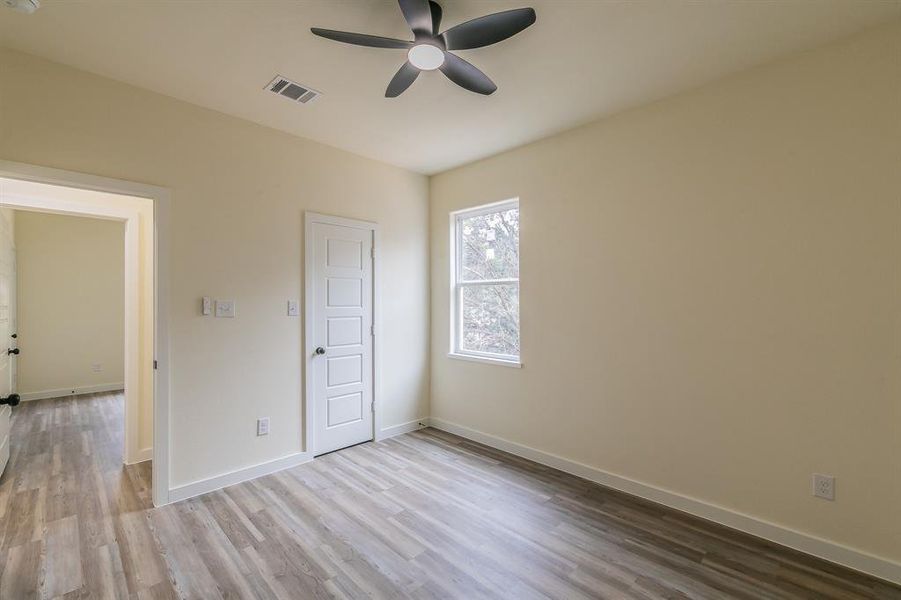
[(830, 551), (211, 484), (389, 432), (144, 455), (72, 391)]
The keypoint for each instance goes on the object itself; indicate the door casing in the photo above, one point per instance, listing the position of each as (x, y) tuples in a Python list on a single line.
[(311, 218)]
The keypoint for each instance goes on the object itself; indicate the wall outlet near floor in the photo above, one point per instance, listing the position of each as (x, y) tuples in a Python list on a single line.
[(263, 426), (824, 486), (96, 367)]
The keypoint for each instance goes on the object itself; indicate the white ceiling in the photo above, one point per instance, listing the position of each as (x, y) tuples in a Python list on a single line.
[(583, 59)]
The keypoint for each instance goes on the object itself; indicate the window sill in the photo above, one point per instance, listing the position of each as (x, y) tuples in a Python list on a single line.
[(484, 359)]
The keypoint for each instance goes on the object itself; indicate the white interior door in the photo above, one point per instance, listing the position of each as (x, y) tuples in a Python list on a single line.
[(7, 329), (341, 342)]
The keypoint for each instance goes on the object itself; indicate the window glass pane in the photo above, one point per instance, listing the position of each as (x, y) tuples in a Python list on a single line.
[(490, 319), (490, 246)]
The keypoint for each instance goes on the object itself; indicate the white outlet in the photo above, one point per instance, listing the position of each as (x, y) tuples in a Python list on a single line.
[(263, 426), (96, 367), (293, 309), (206, 306), (824, 486)]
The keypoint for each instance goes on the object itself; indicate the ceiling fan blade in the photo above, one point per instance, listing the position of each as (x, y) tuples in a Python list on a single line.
[(466, 76), (418, 15), (489, 29), (436, 16), (403, 79), (361, 39)]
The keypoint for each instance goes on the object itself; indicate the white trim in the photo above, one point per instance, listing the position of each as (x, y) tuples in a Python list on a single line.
[(484, 359), (143, 456), (831, 551), (377, 433), (217, 482), (390, 432), (484, 209), (161, 198), (73, 391), (309, 343), (481, 282)]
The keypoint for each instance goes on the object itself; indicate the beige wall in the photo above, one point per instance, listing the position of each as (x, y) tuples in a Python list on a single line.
[(239, 193), (711, 297), (70, 302)]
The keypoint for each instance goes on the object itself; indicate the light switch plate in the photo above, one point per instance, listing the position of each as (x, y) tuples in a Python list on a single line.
[(293, 309), (225, 308), (206, 306)]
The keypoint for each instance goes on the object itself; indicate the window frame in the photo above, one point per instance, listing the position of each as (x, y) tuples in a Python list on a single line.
[(457, 283)]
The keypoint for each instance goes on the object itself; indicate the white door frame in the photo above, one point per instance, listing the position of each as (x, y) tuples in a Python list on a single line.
[(161, 198), (310, 218)]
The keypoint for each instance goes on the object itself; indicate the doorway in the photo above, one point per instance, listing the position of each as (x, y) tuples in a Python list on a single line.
[(340, 331), (142, 210), (64, 321)]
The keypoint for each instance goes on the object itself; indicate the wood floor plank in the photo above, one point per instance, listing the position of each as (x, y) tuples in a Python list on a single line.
[(62, 556), (423, 515), (104, 573), (21, 574)]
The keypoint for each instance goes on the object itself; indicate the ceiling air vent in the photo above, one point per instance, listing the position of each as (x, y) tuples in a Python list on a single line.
[(292, 91)]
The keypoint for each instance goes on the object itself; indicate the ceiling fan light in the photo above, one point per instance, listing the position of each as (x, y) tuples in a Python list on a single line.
[(426, 57)]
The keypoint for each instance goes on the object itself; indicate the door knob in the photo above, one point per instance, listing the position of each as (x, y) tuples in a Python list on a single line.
[(12, 351), (320, 350), (12, 400), (14, 336)]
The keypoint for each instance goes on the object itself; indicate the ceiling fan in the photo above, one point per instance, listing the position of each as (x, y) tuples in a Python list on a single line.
[(430, 50)]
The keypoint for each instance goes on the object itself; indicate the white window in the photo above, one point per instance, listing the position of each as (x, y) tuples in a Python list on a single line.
[(485, 283)]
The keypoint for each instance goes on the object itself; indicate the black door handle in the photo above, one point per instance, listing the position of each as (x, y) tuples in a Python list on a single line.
[(12, 351), (12, 400), (320, 350)]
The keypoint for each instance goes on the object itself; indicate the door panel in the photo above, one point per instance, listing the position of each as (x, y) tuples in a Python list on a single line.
[(342, 327), (7, 322), (345, 331), (344, 292), (345, 409)]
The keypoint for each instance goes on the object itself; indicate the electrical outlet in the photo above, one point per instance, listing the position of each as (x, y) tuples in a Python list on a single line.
[(824, 486), (293, 309), (96, 367), (263, 426), (206, 306)]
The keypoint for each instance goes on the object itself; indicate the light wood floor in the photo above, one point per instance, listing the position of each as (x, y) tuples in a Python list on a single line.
[(424, 515)]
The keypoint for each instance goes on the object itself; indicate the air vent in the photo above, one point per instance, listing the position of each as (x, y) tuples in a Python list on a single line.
[(292, 91)]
